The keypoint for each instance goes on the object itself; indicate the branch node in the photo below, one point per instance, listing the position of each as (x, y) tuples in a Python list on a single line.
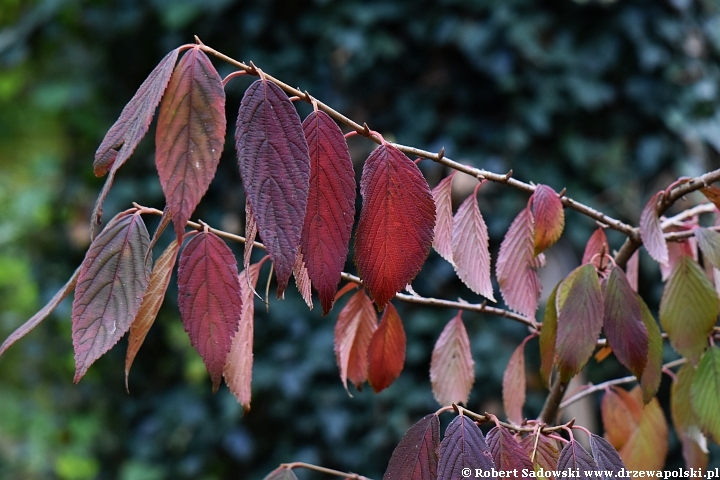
[(440, 154), (198, 41), (366, 130), (562, 192), (508, 175)]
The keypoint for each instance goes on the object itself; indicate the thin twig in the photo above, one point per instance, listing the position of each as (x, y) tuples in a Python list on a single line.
[(516, 428), (329, 471)]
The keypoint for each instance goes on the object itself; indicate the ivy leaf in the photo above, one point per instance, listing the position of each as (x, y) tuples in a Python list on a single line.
[(651, 233), (190, 135), (151, 303), (513, 385), (36, 319), (688, 309), (110, 287), (705, 391), (580, 315), (464, 446), (238, 364), (416, 456), (515, 269), (623, 323), (275, 169), (548, 337), (544, 454), (507, 453), (210, 299), (355, 326), (396, 224), (302, 280), (549, 217), (470, 248), (386, 351), (652, 373), (452, 370), (281, 473), (606, 457), (712, 193), (709, 243), (574, 457), (331, 205), (442, 240), (596, 245), (687, 423)]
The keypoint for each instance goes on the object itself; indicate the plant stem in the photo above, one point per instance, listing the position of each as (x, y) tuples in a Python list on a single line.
[(329, 471), (552, 402)]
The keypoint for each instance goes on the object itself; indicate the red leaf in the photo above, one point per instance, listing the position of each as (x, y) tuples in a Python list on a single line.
[(442, 239), (712, 193), (685, 247), (396, 223), (386, 351), (151, 303), (210, 300), (238, 365), (519, 282), (632, 270), (416, 456), (549, 217), (331, 205), (596, 245), (35, 320), (275, 170), (190, 135), (463, 447), (110, 287), (651, 232), (452, 370), (507, 453), (580, 315), (623, 323), (355, 326), (470, 248), (513, 385), (302, 280)]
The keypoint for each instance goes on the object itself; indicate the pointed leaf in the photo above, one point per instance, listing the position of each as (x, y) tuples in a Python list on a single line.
[(544, 454), (574, 457), (688, 309), (597, 245), (35, 320), (238, 365), (386, 351), (652, 373), (623, 324), (712, 193), (331, 205), (275, 170), (210, 300), (507, 453), (687, 423), (355, 326), (151, 303), (470, 248), (549, 217), (396, 224), (513, 385), (632, 270), (709, 243), (250, 234), (651, 232), (705, 391), (442, 240), (606, 457), (548, 337), (676, 250), (621, 416), (580, 314), (281, 473), (302, 280), (463, 447), (452, 370), (416, 456), (519, 282), (110, 287), (190, 135)]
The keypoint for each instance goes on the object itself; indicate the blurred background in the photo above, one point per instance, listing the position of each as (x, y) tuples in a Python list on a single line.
[(612, 100)]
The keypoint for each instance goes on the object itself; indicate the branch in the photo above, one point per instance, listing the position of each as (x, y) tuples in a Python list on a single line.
[(487, 417), (329, 471)]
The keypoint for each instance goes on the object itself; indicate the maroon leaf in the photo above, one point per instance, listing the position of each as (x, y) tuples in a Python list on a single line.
[(250, 234), (151, 303), (275, 170), (331, 205), (35, 320), (597, 245), (513, 385), (355, 326), (302, 280), (623, 323), (210, 299), (452, 370), (386, 351), (549, 217), (190, 135), (515, 269), (507, 453), (110, 287), (544, 453), (580, 314), (396, 224), (416, 456), (470, 245), (463, 447), (548, 337), (442, 239), (574, 457), (651, 232), (632, 270), (607, 458)]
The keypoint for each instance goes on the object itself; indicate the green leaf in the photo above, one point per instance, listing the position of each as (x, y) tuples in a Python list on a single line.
[(689, 308), (548, 334), (652, 374), (705, 392)]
